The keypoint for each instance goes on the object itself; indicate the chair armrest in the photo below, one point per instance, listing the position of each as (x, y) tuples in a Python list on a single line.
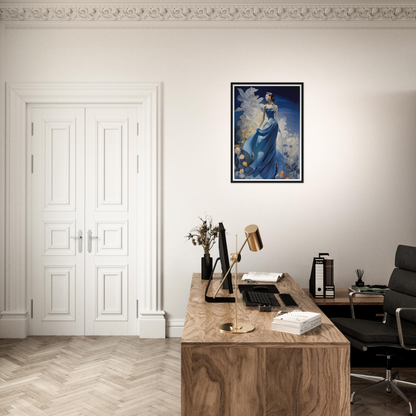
[(352, 294), (399, 327)]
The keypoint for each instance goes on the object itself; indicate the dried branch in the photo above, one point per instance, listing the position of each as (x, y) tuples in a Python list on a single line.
[(204, 235)]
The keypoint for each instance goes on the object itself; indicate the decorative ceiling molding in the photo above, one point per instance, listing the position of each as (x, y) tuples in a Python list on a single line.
[(334, 13)]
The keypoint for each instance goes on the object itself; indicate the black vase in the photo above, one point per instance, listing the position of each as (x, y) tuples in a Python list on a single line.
[(206, 268)]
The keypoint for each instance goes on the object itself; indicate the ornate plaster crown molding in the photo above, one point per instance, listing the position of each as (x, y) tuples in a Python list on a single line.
[(292, 13)]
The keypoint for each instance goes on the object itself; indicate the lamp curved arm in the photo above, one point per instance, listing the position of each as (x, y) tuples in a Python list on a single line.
[(236, 260), (399, 327)]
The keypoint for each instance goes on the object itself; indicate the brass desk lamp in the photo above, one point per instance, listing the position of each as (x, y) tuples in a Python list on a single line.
[(255, 244)]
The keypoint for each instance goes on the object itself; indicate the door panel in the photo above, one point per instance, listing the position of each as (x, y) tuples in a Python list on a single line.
[(112, 165), (60, 165), (111, 216), (60, 299), (112, 286), (112, 238), (57, 205), (58, 241)]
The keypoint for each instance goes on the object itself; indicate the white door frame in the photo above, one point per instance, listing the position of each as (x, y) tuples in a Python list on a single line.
[(16, 316)]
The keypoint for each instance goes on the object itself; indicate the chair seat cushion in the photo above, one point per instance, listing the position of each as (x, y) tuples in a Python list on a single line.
[(372, 331)]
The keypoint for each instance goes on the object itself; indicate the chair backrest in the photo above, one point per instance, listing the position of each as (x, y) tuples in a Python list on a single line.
[(402, 285)]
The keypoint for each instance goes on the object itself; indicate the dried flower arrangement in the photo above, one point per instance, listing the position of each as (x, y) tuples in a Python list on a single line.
[(204, 235)]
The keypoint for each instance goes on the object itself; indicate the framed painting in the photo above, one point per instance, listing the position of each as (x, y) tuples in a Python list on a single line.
[(267, 132)]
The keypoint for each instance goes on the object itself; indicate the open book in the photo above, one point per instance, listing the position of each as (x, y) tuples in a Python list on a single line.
[(262, 277)]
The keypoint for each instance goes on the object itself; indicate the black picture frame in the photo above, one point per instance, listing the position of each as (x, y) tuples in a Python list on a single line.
[(273, 153)]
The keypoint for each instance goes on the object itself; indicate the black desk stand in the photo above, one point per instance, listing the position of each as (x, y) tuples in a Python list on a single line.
[(218, 299)]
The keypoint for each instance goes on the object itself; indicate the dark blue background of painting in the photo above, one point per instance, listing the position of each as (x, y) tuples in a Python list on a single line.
[(287, 100)]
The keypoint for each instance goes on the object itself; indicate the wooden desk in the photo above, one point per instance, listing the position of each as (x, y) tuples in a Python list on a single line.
[(265, 372)]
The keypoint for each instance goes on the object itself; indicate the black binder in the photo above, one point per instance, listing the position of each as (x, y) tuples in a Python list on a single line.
[(321, 282)]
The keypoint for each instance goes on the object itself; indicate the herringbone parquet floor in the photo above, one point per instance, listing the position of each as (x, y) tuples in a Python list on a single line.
[(90, 376), (120, 376), (376, 401)]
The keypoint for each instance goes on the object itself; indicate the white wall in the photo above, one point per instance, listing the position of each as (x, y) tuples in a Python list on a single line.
[(358, 199)]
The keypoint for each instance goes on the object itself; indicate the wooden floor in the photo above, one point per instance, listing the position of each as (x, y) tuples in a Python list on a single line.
[(99, 376), (92, 376), (377, 401)]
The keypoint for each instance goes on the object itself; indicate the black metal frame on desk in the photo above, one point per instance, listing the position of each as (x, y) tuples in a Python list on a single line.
[(352, 294)]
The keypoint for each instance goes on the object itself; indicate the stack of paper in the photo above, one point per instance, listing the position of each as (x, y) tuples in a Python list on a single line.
[(296, 322), (366, 291), (262, 277)]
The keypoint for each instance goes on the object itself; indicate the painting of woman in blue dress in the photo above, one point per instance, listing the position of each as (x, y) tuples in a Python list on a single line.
[(267, 133)]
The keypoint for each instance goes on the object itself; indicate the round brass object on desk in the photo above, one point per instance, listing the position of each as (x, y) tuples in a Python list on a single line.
[(228, 328)]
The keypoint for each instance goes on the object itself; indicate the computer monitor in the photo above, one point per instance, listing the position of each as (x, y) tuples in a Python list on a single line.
[(225, 265), (225, 262)]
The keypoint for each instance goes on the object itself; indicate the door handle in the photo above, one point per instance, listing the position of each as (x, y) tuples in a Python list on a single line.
[(90, 237), (79, 238)]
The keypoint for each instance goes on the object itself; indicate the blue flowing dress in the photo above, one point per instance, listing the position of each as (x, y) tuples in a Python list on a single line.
[(269, 162)]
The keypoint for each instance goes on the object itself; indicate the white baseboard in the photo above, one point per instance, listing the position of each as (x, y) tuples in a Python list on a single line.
[(14, 324), (152, 324), (175, 328)]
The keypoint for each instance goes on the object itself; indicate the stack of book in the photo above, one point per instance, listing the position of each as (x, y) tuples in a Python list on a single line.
[(296, 322), (262, 277)]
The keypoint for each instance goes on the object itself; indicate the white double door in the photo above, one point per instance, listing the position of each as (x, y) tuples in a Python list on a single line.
[(83, 220)]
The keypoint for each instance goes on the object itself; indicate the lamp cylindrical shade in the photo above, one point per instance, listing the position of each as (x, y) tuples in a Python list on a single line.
[(254, 238)]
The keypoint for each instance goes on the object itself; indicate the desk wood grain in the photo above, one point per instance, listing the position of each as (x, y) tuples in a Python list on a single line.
[(265, 372)]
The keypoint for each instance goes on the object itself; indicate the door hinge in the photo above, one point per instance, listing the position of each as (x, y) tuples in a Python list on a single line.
[(32, 164), (138, 164), (137, 128), (32, 129), (137, 308), (31, 308)]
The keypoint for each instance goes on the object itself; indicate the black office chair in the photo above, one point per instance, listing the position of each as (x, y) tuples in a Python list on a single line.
[(398, 329)]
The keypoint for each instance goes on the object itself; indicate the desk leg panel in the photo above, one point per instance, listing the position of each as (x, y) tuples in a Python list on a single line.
[(264, 381), (326, 382), (283, 381), (226, 381), (204, 382)]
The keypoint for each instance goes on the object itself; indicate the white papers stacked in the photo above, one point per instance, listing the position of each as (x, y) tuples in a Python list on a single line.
[(366, 294), (296, 322), (262, 277)]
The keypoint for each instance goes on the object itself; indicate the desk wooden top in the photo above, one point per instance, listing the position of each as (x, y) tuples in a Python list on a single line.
[(342, 299), (203, 318)]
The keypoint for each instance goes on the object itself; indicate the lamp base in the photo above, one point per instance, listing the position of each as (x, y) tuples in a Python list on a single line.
[(243, 328)]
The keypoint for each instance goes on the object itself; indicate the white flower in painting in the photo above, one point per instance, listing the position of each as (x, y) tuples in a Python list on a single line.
[(252, 113), (250, 102), (282, 128), (291, 149)]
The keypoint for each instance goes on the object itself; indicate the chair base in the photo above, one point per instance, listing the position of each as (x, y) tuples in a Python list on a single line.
[(390, 381)]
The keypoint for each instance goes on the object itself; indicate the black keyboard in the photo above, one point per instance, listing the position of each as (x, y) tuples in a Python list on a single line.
[(257, 298)]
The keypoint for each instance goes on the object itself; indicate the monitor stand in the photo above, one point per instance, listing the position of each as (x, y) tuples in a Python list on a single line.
[(217, 299)]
